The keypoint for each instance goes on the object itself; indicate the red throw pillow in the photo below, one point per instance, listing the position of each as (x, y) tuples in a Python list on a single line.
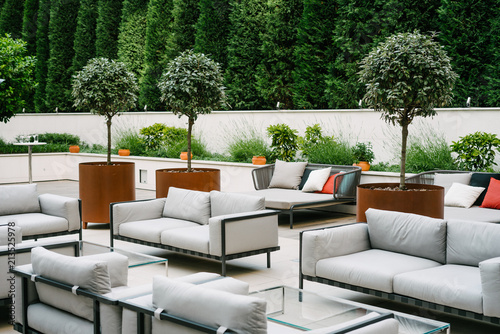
[(328, 187), (492, 197)]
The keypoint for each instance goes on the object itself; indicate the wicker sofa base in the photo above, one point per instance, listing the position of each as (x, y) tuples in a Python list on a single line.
[(402, 299), (222, 258)]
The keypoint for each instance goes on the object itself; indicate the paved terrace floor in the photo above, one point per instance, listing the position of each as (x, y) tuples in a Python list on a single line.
[(284, 263)]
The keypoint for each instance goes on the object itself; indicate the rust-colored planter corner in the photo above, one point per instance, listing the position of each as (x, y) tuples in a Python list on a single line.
[(427, 202), (102, 184), (202, 179)]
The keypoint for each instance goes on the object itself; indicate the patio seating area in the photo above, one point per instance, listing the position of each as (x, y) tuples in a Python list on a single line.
[(284, 271)]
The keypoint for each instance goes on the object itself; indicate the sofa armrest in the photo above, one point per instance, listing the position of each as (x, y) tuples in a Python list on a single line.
[(490, 283), (62, 206), (124, 212), (243, 232), (320, 244)]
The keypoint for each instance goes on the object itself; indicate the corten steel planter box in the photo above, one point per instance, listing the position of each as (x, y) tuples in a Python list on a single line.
[(101, 185), (202, 179), (428, 202)]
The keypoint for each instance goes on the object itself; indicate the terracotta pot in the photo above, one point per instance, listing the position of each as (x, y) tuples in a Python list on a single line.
[(202, 179), (124, 152), (259, 160), (427, 203), (365, 166), (74, 149), (101, 185), (184, 155)]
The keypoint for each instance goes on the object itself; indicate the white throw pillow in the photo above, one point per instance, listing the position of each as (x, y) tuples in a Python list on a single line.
[(317, 180), (462, 195), (287, 175), (445, 180)]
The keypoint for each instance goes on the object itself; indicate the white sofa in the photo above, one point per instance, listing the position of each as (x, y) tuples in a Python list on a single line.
[(215, 225), (291, 186), (463, 207), (39, 216), (220, 306), (451, 266)]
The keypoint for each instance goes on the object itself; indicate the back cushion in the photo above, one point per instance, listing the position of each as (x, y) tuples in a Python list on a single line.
[(89, 274), (445, 180), (472, 242), (407, 233), (287, 175), (241, 314), (18, 199), (188, 205), (482, 180), (229, 203)]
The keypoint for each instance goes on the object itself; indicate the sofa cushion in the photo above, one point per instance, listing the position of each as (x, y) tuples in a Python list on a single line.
[(241, 314), (469, 243), (150, 230), (445, 180), (474, 213), (407, 233), (328, 186), (91, 275), (229, 203), (482, 180), (492, 197), (37, 223), (46, 319), (11, 236), (287, 175), (192, 238), (284, 199), (187, 204), (373, 269), (317, 180), (16, 199), (462, 195), (451, 285)]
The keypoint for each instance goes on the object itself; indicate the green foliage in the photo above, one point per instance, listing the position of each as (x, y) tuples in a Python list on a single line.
[(185, 15), (313, 135), (212, 30), (56, 142), (16, 68), (11, 18), (275, 72), (105, 87), (130, 140), (363, 152), (30, 17), (132, 41), (407, 76), (159, 27), (330, 151), (85, 35), (59, 138), (476, 151), (313, 53), (243, 148), (108, 28), (42, 55), (244, 52), (62, 27), (284, 142), (429, 153), (153, 136)]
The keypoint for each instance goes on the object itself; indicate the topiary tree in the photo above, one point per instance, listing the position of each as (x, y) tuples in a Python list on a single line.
[(105, 87), (16, 73), (407, 76), (191, 85)]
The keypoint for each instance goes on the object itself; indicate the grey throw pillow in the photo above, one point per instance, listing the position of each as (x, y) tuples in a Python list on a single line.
[(188, 205), (287, 175)]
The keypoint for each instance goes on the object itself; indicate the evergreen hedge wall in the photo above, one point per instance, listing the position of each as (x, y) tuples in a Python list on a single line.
[(301, 53)]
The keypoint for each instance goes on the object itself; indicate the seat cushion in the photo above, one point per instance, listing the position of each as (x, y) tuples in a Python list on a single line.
[(408, 234), (451, 285), (150, 230), (284, 199), (22, 198), (474, 213), (373, 269), (195, 238), (188, 205), (37, 223), (46, 319), (229, 203)]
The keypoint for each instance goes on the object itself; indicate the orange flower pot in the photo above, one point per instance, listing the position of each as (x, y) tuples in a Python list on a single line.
[(184, 155), (258, 160), (124, 152), (74, 149)]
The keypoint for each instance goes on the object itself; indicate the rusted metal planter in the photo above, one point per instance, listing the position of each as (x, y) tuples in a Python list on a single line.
[(102, 184), (201, 179), (429, 201)]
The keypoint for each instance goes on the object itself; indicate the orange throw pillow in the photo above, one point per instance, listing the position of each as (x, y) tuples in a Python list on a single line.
[(328, 187), (492, 197)]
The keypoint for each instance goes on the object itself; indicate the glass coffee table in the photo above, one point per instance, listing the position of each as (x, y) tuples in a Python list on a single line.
[(306, 310)]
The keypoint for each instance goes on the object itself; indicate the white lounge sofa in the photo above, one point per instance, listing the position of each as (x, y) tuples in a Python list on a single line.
[(215, 225), (451, 266), (39, 216)]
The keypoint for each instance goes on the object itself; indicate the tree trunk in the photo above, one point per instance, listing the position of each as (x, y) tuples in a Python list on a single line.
[(108, 124), (190, 128), (402, 175)]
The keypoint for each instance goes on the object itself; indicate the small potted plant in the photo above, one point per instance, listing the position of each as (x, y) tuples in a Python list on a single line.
[(363, 155)]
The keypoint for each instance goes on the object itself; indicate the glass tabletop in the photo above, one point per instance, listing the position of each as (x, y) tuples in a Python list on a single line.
[(305, 310)]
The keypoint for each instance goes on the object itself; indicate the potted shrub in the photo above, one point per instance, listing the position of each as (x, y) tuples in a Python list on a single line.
[(104, 87), (406, 76), (191, 85), (363, 155)]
